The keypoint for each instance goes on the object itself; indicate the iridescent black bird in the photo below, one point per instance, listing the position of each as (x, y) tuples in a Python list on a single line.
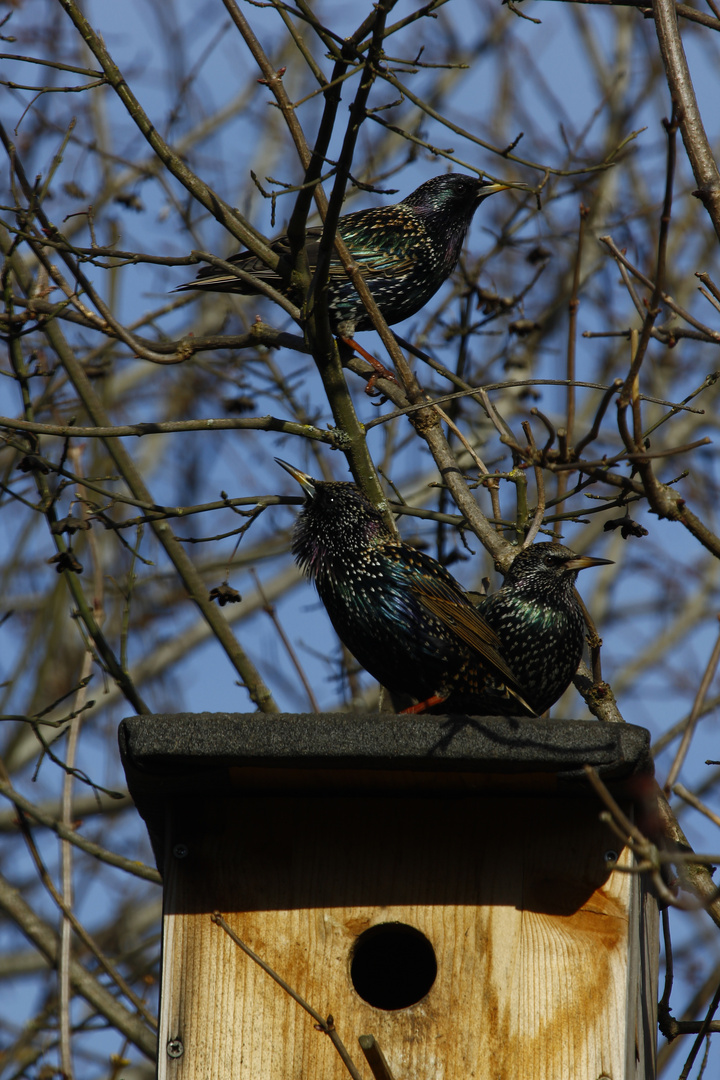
[(539, 623), (405, 251), (412, 626)]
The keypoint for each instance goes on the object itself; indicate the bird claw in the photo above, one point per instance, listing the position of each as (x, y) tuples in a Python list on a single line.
[(380, 372), (372, 390)]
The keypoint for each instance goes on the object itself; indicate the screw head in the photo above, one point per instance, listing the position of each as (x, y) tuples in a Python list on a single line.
[(181, 851), (175, 1048)]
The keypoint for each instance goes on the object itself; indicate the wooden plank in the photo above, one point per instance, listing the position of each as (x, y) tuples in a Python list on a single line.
[(643, 972), (530, 932)]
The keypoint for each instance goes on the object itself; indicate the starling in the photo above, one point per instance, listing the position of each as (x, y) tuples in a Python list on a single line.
[(405, 251), (539, 623), (412, 626)]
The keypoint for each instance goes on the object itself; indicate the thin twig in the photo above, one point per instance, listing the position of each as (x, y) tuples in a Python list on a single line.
[(269, 610), (682, 92), (621, 259), (687, 796), (88, 941), (573, 305), (629, 390), (540, 491), (45, 940), (694, 716), (327, 1026), (702, 1034), (664, 1003), (130, 866)]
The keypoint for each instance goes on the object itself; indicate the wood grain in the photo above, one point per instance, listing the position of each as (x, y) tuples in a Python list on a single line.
[(542, 955)]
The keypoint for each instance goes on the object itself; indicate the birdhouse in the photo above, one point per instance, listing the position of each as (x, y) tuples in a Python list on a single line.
[(443, 888)]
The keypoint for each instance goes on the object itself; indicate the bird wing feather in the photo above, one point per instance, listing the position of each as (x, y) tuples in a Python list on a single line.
[(372, 264), (467, 623), (373, 260), (470, 627), (357, 231)]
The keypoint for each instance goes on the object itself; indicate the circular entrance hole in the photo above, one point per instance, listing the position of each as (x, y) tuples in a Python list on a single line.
[(392, 966)]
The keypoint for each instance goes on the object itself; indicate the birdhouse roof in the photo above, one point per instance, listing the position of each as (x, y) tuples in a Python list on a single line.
[(187, 755)]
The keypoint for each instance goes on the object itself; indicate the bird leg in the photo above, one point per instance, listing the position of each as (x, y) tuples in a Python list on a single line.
[(423, 706), (380, 372)]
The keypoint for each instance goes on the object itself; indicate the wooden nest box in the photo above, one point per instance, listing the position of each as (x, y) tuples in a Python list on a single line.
[(443, 884)]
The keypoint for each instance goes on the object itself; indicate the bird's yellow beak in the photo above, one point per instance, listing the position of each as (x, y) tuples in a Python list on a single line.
[(306, 482), (490, 189), (583, 561)]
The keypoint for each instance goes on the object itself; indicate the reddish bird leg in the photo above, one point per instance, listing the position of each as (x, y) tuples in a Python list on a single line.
[(423, 706), (381, 372)]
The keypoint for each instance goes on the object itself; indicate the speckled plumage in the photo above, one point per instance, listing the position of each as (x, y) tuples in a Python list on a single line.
[(376, 591), (405, 251), (539, 621), (412, 626)]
